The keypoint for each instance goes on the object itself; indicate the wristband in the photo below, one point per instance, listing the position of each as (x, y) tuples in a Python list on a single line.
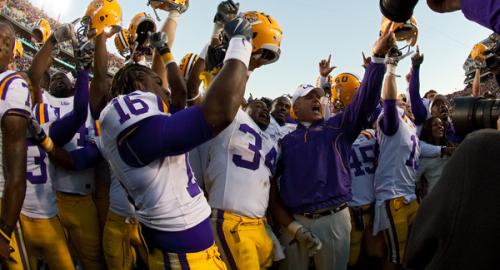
[(47, 144), (239, 48), (174, 15), (217, 30), (167, 58)]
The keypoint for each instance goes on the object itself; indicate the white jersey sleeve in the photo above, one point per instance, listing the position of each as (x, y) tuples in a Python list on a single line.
[(165, 193), (241, 161), (398, 161), (362, 164), (14, 99)]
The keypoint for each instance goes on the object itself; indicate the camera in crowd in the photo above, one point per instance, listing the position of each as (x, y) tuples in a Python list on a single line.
[(474, 113)]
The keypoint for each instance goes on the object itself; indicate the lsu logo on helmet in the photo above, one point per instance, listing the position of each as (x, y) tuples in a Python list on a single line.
[(344, 88), (266, 39)]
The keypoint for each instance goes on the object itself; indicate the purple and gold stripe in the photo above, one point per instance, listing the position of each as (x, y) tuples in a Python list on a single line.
[(392, 236), (225, 246), (162, 106), (5, 83), (183, 261)]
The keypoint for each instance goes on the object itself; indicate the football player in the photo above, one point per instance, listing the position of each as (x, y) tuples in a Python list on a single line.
[(315, 184), (395, 175), (280, 115), (15, 108), (153, 167), (242, 152)]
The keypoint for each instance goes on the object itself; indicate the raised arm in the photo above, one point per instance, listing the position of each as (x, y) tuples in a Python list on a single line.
[(476, 83), (64, 129), (417, 105), (356, 115), (390, 123)]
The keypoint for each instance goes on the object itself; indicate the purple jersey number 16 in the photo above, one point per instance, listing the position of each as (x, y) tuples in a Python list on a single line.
[(134, 106)]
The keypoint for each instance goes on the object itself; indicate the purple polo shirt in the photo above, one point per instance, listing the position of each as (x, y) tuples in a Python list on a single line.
[(315, 160), (484, 12)]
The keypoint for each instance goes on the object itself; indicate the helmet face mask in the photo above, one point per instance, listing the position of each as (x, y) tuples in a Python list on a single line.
[(345, 86), (406, 32)]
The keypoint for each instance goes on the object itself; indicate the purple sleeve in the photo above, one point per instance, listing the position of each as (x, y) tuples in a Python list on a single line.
[(86, 157), (65, 128), (356, 115), (484, 12), (389, 124), (417, 105), (160, 136)]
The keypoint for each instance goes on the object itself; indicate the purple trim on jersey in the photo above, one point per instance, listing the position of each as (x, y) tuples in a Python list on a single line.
[(222, 238), (7, 85), (85, 158), (65, 128), (161, 135), (184, 262), (485, 13), (315, 160), (417, 105), (390, 121), (37, 111), (195, 239), (160, 103)]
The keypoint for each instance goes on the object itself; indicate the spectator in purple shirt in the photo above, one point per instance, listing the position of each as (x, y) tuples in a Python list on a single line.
[(315, 183)]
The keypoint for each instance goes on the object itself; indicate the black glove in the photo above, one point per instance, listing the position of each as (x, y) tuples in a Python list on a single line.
[(238, 27), (225, 11), (159, 41), (215, 57), (84, 54)]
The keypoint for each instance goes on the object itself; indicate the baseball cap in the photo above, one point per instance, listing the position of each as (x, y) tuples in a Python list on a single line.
[(303, 90)]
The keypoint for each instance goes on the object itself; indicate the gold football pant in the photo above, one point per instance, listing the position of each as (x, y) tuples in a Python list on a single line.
[(45, 238), (208, 259), (243, 242), (78, 216), (122, 242), (362, 238), (401, 216), (18, 258)]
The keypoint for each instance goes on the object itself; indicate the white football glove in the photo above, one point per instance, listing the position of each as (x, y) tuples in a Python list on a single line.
[(305, 237)]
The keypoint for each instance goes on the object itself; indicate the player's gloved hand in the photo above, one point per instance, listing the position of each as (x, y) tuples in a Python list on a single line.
[(169, 6), (226, 11), (83, 53), (64, 33), (240, 27), (39, 135), (215, 57), (417, 58), (159, 41), (305, 237)]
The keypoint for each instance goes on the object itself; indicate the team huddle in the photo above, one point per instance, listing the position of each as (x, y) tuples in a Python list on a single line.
[(165, 165)]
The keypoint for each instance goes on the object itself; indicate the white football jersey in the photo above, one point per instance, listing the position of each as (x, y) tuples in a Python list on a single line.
[(118, 199), (40, 199), (398, 161), (14, 97), (164, 192), (362, 164), (77, 182), (274, 129), (241, 161)]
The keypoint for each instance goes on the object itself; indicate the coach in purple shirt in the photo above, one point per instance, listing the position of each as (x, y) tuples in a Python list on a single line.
[(315, 183)]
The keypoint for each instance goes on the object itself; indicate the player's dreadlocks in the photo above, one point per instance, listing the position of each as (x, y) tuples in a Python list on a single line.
[(125, 80)]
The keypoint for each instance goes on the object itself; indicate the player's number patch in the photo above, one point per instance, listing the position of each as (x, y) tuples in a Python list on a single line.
[(256, 147), (133, 105), (411, 162), (363, 156), (39, 160)]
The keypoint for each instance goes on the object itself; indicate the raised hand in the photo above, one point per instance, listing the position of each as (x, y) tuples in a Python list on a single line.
[(366, 61), (417, 58), (226, 11), (324, 66), (385, 42)]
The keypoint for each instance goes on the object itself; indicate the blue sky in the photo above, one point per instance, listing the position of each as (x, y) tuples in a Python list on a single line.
[(312, 30)]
